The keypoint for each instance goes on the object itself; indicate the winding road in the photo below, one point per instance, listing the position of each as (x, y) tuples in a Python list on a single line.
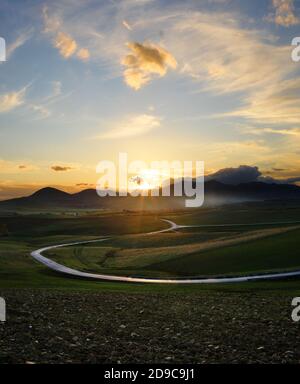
[(37, 255)]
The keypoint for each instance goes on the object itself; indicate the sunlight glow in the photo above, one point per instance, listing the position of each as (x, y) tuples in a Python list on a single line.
[(147, 179)]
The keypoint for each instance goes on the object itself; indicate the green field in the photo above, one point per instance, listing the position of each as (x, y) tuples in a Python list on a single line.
[(275, 252), (203, 251), (247, 213)]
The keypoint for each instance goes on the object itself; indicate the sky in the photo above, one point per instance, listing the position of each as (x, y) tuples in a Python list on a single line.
[(207, 80)]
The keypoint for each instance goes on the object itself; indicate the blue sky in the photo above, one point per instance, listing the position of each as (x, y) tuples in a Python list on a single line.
[(208, 80)]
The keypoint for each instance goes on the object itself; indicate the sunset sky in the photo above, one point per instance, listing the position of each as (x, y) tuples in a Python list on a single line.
[(209, 80)]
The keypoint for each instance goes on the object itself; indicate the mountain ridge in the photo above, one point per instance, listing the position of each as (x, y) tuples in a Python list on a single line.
[(215, 193)]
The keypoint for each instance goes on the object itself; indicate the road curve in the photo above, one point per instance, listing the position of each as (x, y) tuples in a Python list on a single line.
[(37, 255)]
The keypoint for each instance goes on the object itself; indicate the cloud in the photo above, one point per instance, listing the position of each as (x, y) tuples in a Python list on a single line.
[(237, 149), (145, 61), (133, 126), (55, 90), (12, 100), (65, 44), (288, 132), (41, 106), (276, 104), (18, 42), (217, 50), (63, 41), (291, 180), (246, 174), (242, 174), (42, 110), (283, 132), (51, 23), (60, 168), (279, 169), (220, 52), (285, 13), (15, 167), (230, 153), (83, 54), (127, 25)]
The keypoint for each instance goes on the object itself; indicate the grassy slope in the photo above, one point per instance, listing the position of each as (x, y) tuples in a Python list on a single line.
[(246, 213), (18, 269), (256, 255), (26, 233), (38, 226), (276, 252)]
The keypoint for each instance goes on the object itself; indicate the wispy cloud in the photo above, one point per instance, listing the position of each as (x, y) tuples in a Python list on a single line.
[(64, 42), (21, 39), (217, 50), (224, 61), (41, 110), (226, 54), (261, 131), (278, 103), (132, 126), (52, 22), (41, 107), (56, 90), (127, 25), (12, 100)]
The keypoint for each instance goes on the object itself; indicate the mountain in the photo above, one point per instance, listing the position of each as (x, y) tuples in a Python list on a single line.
[(43, 197), (49, 193), (216, 193)]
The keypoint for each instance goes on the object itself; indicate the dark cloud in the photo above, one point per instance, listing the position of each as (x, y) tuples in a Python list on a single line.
[(59, 168), (242, 174), (292, 180), (247, 174)]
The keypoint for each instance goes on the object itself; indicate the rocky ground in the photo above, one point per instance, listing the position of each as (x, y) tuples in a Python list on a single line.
[(205, 327)]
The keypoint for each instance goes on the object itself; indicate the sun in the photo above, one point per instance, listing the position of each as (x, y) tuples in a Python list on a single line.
[(147, 179)]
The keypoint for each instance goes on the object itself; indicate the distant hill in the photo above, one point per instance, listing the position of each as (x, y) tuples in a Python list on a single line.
[(216, 193)]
